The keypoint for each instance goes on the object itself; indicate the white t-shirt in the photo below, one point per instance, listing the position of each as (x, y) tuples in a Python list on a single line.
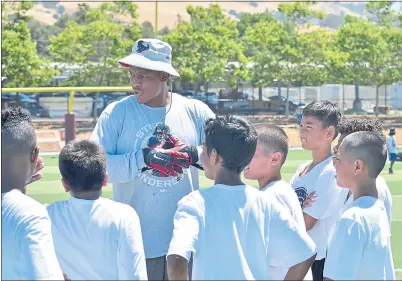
[(235, 232), (123, 130), (27, 250), (391, 143), (287, 197), (322, 180), (383, 194), (360, 247), (98, 239)]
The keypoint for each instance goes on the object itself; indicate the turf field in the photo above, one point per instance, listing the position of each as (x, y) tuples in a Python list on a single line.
[(49, 189)]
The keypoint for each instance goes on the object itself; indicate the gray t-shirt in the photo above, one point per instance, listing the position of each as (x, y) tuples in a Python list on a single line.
[(123, 130)]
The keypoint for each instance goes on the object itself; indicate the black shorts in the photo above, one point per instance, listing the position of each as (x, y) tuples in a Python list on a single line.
[(318, 270)]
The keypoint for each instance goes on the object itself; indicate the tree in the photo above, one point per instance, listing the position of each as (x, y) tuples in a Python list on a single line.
[(364, 46), (164, 31), (40, 33), (382, 13), (297, 15), (20, 62), (387, 68), (247, 20), (147, 29), (203, 47), (265, 41), (95, 45)]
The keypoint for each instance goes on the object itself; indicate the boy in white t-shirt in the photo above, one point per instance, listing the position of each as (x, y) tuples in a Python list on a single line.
[(27, 244), (348, 126), (360, 246), (233, 230), (318, 129), (95, 238), (265, 167)]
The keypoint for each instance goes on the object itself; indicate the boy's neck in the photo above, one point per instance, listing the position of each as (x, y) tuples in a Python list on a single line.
[(87, 195), (227, 177), (321, 154), (365, 188), (263, 182), (10, 182)]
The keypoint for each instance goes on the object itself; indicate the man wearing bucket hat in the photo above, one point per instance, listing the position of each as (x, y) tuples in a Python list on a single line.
[(151, 141)]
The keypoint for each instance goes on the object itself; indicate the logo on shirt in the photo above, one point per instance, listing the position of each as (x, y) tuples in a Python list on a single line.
[(301, 193), (151, 136)]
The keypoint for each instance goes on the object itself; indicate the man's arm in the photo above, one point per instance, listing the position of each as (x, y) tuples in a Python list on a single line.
[(299, 271), (121, 168), (177, 267), (130, 253), (37, 250)]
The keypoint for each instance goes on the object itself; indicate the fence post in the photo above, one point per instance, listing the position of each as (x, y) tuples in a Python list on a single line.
[(69, 120)]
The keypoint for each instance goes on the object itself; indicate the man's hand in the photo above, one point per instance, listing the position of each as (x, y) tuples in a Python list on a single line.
[(168, 162), (37, 176), (177, 145)]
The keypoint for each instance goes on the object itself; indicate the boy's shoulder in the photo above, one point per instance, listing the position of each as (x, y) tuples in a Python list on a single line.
[(24, 206)]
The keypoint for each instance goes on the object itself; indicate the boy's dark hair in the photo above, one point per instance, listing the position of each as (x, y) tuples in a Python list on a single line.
[(82, 165), (17, 133), (353, 125), (234, 139), (368, 147), (326, 112), (274, 139)]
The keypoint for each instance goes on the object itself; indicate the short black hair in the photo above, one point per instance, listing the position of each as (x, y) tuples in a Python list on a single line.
[(82, 165), (326, 112), (17, 132), (352, 125), (274, 139), (234, 139), (370, 148)]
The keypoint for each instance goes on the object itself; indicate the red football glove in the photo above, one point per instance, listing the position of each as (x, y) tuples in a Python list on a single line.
[(177, 145), (166, 162)]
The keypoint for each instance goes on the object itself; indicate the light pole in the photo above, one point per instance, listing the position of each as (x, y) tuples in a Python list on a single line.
[(156, 18)]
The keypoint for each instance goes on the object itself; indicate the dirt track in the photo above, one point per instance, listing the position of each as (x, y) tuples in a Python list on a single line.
[(290, 126)]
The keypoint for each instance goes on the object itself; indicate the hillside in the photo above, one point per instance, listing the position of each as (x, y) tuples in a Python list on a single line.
[(168, 11)]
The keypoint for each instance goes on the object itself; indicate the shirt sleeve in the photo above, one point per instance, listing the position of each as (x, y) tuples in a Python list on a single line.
[(121, 168), (130, 253), (327, 193), (345, 250), (289, 244), (37, 250), (186, 229)]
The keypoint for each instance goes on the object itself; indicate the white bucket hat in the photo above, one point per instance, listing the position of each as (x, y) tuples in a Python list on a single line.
[(152, 54)]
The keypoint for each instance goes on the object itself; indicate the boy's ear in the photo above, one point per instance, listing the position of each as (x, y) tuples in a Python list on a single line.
[(35, 154), (359, 166), (214, 157), (66, 188), (276, 158), (331, 131), (105, 180)]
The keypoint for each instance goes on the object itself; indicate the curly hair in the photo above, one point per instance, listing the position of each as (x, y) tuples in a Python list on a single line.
[(352, 125), (17, 133), (233, 138)]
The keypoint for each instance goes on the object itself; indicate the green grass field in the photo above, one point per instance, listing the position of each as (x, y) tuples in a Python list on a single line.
[(49, 189)]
